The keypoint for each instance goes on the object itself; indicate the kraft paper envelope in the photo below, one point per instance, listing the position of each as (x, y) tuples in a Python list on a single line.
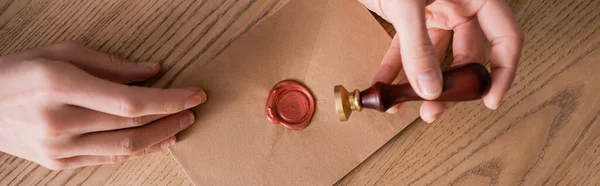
[(320, 43)]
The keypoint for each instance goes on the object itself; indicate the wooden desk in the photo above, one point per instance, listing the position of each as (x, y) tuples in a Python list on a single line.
[(546, 131)]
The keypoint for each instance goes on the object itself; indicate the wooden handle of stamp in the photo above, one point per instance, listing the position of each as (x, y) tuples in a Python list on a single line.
[(461, 83)]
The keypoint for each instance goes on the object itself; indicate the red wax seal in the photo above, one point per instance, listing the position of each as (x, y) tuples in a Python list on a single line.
[(291, 104)]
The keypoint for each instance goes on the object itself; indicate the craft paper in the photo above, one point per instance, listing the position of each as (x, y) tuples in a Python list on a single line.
[(320, 43)]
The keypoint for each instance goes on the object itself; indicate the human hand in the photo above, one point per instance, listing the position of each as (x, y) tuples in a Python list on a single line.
[(63, 106), (423, 35)]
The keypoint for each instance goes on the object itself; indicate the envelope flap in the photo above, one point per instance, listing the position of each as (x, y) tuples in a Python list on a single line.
[(320, 43)]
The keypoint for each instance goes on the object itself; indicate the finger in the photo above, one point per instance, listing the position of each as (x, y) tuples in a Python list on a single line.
[(91, 160), (467, 46), (392, 61), (441, 40), (391, 64), (133, 140), (88, 121), (430, 110), (375, 6), (127, 101), (419, 58), (100, 64), (502, 30), (469, 43)]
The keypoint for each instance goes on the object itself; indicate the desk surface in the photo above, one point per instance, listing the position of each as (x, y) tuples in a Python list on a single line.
[(546, 131)]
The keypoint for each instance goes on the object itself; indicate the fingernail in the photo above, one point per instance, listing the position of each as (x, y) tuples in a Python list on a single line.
[(432, 119), (186, 119), (198, 98), (168, 143), (151, 66), (428, 121), (430, 82), (392, 110), (492, 106)]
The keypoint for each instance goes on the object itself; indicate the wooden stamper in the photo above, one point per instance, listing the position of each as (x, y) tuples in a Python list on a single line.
[(461, 83)]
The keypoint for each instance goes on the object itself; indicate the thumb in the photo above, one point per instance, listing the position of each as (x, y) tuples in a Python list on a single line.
[(419, 58), (102, 65)]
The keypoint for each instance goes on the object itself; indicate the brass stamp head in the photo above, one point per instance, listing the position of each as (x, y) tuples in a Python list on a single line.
[(346, 102)]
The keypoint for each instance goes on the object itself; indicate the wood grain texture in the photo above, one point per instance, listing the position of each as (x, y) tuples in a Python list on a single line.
[(545, 132), (175, 33)]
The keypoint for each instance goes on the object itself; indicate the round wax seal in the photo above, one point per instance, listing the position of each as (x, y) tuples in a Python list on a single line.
[(291, 104)]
